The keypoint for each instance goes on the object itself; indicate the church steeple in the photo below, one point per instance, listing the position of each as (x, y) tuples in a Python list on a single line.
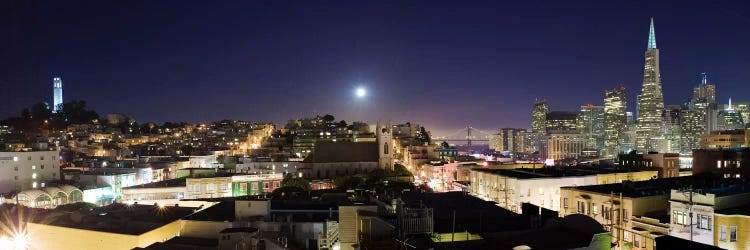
[(651, 36)]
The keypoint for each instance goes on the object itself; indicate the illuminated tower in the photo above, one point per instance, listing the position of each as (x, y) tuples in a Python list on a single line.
[(615, 118), (384, 135), (57, 95), (539, 117), (651, 100)]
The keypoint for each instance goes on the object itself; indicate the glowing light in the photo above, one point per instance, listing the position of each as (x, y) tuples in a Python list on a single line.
[(361, 92)]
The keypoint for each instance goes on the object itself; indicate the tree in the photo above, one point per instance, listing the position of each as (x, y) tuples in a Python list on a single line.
[(25, 113), (347, 182), (40, 111), (301, 183), (75, 112), (342, 124), (328, 118), (376, 176), (400, 170), (424, 136)]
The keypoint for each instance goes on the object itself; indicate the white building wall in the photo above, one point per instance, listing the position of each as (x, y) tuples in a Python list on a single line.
[(20, 170), (545, 192)]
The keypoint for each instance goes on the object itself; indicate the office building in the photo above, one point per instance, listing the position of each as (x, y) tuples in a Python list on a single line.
[(560, 145), (729, 118), (651, 100), (737, 138), (539, 117), (510, 140), (615, 119), (591, 124), (561, 122), (20, 171)]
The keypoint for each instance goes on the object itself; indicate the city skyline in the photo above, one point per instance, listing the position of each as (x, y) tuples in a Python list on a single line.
[(212, 91)]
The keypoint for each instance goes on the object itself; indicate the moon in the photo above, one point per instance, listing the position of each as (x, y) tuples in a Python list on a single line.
[(360, 92)]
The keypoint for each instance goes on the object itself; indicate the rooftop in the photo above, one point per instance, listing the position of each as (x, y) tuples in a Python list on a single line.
[(469, 211), (239, 230), (343, 152), (115, 218), (738, 210), (546, 172), (185, 243), (658, 186), (179, 182)]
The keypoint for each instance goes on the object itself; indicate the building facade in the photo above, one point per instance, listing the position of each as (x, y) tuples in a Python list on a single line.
[(591, 124), (57, 94), (615, 120), (27, 170), (651, 100)]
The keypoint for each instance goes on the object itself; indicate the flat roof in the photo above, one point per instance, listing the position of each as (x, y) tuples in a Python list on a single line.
[(739, 210), (547, 172), (239, 230), (185, 243), (471, 214), (655, 187), (116, 218), (179, 182)]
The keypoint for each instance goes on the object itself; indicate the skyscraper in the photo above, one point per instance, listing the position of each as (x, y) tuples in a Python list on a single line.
[(730, 119), (539, 116), (510, 140), (672, 129), (651, 100), (700, 117), (591, 126), (538, 125), (615, 119), (57, 95), (705, 92)]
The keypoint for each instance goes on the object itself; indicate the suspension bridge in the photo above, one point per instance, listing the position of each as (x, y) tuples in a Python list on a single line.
[(468, 135)]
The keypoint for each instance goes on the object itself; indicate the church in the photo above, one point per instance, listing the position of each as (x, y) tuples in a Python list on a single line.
[(331, 159)]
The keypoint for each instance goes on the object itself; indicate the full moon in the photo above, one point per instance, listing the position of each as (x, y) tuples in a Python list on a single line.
[(361, 92)]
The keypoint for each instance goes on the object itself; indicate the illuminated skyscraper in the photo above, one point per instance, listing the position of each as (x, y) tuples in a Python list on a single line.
[(705, 92), (57, 94), (591, 126), (730, 119), (651, 100), (672, 129), (539, 116), (700, 117), (615, 119), (538, 125)]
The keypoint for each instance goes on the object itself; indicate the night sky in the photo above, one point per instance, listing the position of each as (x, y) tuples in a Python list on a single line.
[(441, 64)]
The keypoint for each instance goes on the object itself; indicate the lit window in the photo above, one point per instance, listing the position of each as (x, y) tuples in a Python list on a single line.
[(679, 217), (33, 166), (33, 185), (33, 176), (15, 158)]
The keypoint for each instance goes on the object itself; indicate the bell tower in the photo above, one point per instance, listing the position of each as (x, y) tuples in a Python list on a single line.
[(385, 146)]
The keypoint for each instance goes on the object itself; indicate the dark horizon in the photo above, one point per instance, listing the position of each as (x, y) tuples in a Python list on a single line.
[(436, 64)]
